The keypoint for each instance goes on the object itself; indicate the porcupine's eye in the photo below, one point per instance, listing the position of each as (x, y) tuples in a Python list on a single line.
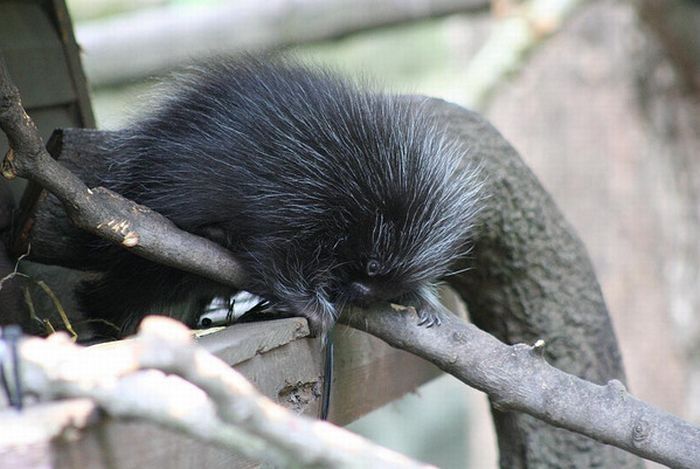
[(373, 267)]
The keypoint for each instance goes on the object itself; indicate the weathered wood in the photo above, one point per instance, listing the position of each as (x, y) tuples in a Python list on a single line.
[(37, 43), (242, 342), (276, 356), (369, 374)]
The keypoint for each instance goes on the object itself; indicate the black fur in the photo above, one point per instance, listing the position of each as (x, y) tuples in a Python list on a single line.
[(327, 194)]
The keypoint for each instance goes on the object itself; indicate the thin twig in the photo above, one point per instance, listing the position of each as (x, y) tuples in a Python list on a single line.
[(15, 272), (59, 308)]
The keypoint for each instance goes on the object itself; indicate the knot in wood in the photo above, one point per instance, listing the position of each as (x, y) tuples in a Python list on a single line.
[(9, 171), (131, 239), (459, 337), (616, 388), (640, 431)]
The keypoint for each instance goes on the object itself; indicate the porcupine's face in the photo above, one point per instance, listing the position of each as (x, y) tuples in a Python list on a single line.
[(387, 257), (404, 218), (412, 226)]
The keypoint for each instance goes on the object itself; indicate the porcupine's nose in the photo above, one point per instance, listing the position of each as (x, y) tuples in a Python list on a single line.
[(361, 293)]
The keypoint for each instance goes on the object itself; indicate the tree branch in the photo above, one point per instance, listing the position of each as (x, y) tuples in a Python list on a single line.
[(518, 378), (211, 401), (101, 211)]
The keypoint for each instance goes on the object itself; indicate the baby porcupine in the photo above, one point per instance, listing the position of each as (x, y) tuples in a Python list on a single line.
[(326, 193)]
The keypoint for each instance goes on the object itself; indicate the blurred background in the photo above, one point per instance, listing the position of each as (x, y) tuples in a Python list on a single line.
[(601, 98)]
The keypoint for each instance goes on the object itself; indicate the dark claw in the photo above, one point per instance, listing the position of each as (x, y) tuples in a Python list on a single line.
[(328, 355), (423, 317)]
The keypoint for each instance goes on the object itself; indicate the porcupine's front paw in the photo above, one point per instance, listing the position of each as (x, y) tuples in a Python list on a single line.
[(426, 304), (428, 317)]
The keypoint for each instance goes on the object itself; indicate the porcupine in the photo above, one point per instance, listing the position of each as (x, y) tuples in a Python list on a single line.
[(327, 194)]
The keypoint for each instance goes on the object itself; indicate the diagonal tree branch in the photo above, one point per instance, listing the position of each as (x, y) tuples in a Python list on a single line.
[(518, 378)]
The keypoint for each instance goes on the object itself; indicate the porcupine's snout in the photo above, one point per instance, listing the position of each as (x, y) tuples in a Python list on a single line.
[(361, 294)]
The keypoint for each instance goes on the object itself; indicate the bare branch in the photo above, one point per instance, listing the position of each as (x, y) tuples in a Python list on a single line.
[(210, 400), (518, 378)]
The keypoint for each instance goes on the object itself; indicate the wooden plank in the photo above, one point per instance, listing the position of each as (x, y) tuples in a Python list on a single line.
[(369, 374), (59, 14), (244, 341)]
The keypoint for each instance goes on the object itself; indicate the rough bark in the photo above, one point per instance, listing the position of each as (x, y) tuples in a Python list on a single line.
[(530, 278)]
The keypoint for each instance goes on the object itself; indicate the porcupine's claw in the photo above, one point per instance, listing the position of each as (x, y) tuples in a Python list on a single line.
[(427, 318), (328, 356)]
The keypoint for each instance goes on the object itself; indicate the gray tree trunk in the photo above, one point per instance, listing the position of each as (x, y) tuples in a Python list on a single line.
[(606, 115), (530, 278)]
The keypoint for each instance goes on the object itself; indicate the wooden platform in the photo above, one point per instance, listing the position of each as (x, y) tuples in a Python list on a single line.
[(276, 356)]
